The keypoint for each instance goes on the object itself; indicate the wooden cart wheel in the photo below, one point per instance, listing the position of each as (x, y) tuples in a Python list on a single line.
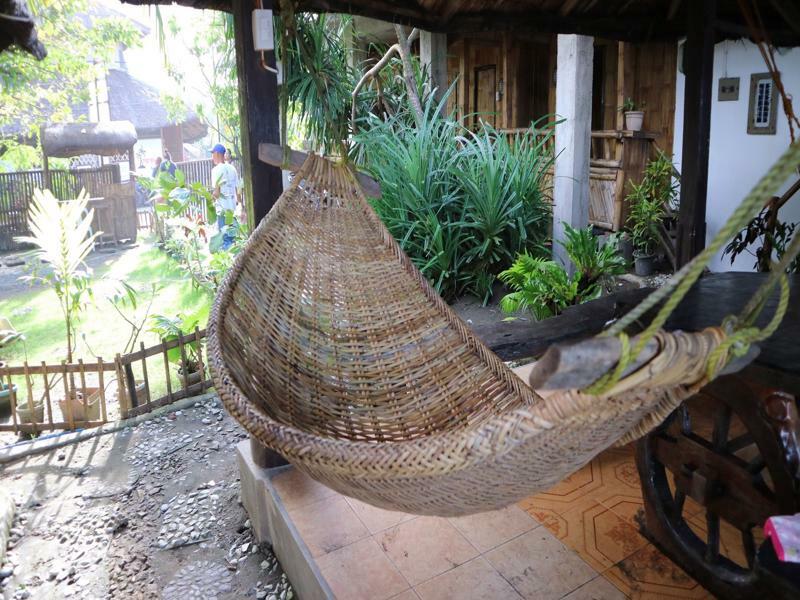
[(720, 465)]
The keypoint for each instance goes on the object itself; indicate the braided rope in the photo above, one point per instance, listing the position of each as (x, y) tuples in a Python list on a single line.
[(676, 290)]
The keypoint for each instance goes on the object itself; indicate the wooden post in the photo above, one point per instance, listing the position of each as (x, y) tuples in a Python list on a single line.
[(101, 385), (259, 109), (573, 139), (433, 54), (699, 53), (131, 385), (47, 395), (624, 79)]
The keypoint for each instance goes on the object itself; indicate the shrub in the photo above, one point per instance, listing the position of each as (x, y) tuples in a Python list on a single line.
[(462, 205)]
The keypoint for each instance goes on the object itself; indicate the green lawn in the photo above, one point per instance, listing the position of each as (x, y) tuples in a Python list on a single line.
[(102, 332)]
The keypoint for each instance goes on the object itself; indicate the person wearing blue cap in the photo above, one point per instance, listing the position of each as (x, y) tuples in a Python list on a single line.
[(223, 180)]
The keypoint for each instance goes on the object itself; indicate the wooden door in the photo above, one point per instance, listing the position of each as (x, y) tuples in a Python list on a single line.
[(485, 100)]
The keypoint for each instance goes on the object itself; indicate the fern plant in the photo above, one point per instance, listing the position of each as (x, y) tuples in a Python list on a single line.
[(540, 286)]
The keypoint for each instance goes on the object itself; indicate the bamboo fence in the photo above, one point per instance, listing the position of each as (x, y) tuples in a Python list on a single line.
[(77, 395)]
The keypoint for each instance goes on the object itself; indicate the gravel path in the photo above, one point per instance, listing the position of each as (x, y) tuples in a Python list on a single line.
[(149, 512)]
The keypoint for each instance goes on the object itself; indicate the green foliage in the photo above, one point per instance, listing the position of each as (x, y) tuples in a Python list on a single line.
[(461, 205), (540, 286), (209, 40), (171, 328), (124, 298), (629, 105), (648, 201), (758, 232), (79, 49), (543, 286), (318, 78), (61, 233), (593, 261)]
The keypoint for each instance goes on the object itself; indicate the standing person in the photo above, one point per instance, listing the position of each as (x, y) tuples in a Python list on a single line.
[(223, 181), (167, 164)]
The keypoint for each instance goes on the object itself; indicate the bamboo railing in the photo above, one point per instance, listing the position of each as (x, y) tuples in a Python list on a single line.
[(78, 395)]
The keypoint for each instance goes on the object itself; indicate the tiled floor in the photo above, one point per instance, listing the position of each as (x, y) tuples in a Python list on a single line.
[(593, 512), (368, 553)]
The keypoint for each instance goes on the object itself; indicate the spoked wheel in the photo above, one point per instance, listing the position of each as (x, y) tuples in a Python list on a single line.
[(718, 467)]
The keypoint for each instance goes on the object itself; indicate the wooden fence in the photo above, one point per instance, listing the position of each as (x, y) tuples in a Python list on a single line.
[(16, 191), (78, 395)]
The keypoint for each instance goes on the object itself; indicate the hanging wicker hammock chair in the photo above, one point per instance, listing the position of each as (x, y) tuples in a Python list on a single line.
[(331, 348)]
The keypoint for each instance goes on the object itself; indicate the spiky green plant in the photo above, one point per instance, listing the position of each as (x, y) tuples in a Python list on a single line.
[(461, 205), (594, 261), (61, 232)]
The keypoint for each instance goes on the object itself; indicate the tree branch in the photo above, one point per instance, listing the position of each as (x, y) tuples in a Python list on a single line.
[(372, 73), (408, 69)]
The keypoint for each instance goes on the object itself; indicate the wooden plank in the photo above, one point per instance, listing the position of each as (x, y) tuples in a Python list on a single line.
[(101, 385), (519, 339), (624, 79), (29, 428)]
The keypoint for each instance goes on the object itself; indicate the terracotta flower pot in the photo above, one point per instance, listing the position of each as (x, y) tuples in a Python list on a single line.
[(634, 120)]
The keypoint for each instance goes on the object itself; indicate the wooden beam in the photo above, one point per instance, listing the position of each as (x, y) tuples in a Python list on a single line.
[(624, 80), (259, 110), (697, 97), (272, 154)]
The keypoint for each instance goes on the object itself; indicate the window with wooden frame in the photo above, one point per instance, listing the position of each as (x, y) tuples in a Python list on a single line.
[(763, 109)]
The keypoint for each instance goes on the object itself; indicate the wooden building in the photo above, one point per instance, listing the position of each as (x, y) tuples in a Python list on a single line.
[(509, 81)]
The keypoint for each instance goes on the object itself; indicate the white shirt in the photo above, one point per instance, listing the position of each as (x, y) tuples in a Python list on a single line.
[(225, 176)]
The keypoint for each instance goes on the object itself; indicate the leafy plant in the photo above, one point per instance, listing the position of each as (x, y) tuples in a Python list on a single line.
[(594, 261), (629, 105), (8, 335), (541, 286), (648, 201), (125, 300), (171, 328), (61, 232), (318, 76), (545, 288), (772, 238)]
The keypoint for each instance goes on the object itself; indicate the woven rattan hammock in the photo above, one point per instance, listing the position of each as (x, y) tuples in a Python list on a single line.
[(331, 348)]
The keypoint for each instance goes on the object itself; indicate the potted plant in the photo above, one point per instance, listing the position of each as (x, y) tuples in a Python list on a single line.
[(171, 328), (634, 115)]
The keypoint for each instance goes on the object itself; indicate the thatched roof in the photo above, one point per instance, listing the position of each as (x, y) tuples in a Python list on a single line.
[(74, 139), (641, 20), (131, 99)]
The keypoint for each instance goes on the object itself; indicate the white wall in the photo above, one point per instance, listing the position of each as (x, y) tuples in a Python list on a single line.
[(737, 160)]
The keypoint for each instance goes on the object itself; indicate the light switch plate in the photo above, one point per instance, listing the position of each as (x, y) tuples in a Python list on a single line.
[(728, 89)]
